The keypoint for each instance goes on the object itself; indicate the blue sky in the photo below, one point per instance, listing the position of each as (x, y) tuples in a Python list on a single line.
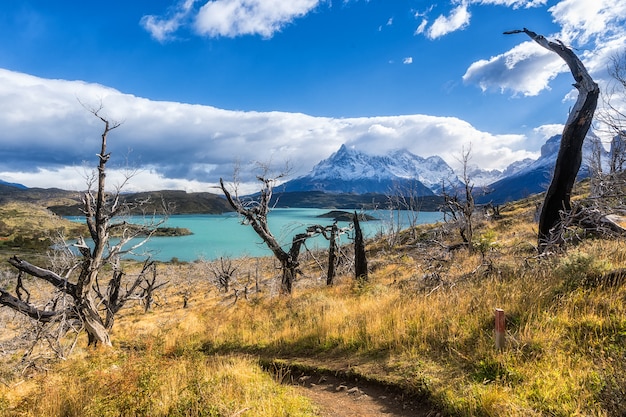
[(203, 85)]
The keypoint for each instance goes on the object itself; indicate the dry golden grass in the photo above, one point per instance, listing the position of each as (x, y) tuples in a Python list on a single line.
[(26, 219), (150, 383), (424, 321)]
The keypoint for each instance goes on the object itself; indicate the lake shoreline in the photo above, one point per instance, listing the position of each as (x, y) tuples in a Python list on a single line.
[(223, 235)]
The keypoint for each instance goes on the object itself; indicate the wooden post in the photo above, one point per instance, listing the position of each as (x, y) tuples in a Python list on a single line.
[(500, 329)]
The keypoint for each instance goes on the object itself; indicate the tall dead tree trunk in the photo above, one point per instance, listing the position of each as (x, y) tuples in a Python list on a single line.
[(98, 224), (360, 259), (332, 254), (569, 159)]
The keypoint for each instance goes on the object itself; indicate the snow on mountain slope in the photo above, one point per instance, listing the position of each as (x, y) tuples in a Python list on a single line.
[(352, 171), (534, 177)]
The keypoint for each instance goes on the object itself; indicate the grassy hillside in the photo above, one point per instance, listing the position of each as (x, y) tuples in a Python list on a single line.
[(28, 226), (68, 203), (177, 202), (423, 323)]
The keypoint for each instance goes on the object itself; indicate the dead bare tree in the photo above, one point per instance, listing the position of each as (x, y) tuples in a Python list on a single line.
[(594, 165), (403, 198), (569, 158), (360, 258), (223, 273), (461, 209), (88, 301), (612, 116), (332, 252), (331, 233), (255, 213), (611, 185), (149, 287)]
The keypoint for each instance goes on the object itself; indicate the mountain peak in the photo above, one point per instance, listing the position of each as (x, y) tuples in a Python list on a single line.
[(349, 170)]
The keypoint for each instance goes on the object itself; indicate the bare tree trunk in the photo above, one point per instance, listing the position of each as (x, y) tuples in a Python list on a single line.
[(290, 265), (360, 260), (569, 159), (96, 330), (98, 224), (332, 255)]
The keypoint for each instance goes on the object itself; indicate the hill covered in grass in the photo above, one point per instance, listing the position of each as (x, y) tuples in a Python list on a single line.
[(31, 227), (423, 324)]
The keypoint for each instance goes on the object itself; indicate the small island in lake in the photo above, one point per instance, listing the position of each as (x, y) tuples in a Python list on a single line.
[(346, 216), (172, 231), (159, 231)]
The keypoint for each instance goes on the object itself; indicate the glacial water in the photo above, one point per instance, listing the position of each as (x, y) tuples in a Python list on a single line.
[(225, 235)]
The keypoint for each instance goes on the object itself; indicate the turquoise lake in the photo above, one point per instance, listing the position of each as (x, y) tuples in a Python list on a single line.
[(224, 235)]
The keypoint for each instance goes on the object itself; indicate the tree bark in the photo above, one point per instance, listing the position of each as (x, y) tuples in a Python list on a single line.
[(569, 159), (360, 260), (43, 316), (332, 255), (56, 280)]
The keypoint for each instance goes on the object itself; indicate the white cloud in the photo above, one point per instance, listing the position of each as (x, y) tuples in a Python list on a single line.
[(408, 60), (515, 4), (596, 28), (582, 20), (47, 134), (458, 18), (527, 69), (547, 131), (231, 18), (228, 18), (422, 27), (163, 29)]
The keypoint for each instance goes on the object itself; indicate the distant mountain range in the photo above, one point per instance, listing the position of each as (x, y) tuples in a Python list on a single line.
[(354, 179), (349, 171), (534, 177)]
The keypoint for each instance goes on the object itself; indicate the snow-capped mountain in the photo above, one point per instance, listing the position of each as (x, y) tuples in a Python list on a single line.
[(535, 177), (352, 171), (483, 177), (355, 172)]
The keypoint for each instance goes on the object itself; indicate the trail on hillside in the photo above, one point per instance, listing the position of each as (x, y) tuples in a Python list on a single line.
[(339, 398), (339, 395)]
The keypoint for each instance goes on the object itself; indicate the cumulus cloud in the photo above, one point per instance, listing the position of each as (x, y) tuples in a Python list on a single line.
[(227, 18), (515, 4), (458, 18), (527, 69), (49, 136), (459, 15), (163, 28), (231, 18), (597, 29), (422, 27), (582, 21)]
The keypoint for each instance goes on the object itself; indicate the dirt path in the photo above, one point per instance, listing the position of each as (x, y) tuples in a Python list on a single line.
[(338, 396)]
